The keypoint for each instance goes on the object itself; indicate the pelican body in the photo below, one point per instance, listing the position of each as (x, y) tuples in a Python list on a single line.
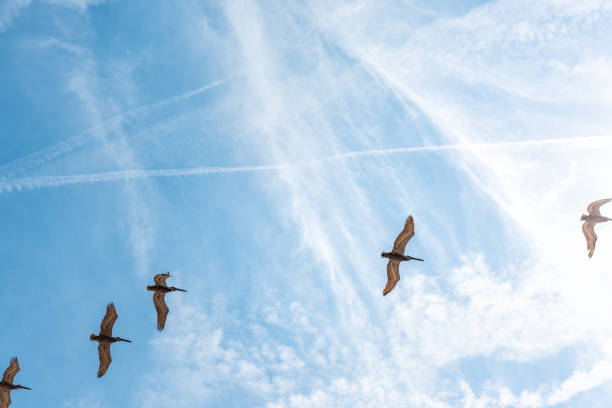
[(164, 289), (107, 339), (393, 256), (6, 385), (160, 288), (595, 219)]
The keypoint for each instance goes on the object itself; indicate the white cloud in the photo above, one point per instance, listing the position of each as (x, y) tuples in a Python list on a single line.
[(84, 402), (9, 10), (78, 4)]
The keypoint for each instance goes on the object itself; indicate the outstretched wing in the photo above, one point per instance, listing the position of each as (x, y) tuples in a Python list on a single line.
[(162, 309), (588, 228), (106, 328), (402, 239), (392, 276), (593, 208), (160, 279), (13, 368), (105, 358), (5, 398)]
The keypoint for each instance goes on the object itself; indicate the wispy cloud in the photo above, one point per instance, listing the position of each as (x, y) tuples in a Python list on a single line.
[(90, 135), (9, 10), (84, 82), (78, 4)]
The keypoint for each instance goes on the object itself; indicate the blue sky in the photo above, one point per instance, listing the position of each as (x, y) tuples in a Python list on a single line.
[(266, 152)]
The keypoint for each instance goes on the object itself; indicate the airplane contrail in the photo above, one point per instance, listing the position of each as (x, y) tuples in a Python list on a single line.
[(469, 146), (56, 181), (45, 155)]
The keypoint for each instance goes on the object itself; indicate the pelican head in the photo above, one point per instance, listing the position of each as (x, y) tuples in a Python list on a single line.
[(92, 337), (583, 218), (383, 254)]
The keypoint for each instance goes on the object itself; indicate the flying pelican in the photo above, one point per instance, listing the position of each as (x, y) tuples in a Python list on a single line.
[(396, 256), (6, 385), (105, 338), (594, 217), (160, 290)]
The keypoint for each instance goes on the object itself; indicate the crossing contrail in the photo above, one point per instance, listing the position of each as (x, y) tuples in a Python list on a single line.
[(45, 155), (37, 182)]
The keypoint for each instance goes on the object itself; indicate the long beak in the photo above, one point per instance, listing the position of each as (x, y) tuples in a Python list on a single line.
[(416, 259), (181, 290), (127, 341), (25, 388)]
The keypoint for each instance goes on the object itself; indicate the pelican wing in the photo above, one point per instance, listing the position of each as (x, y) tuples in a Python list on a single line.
[(13, 368), (593, 208), (105, 358), (588, 228), (392, 276), (106, 328), (5, 398), (162, 309), (160, 279), (402, 239)]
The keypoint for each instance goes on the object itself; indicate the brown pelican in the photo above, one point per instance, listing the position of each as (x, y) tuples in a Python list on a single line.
[(160, 290), (105, 338), (6, 385), (397, 255), (594, 217)]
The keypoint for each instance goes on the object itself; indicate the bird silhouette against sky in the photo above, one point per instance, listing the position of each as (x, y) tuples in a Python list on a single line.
[(594, 217), (6, 386), (159, 301), (396, 256), (105, 338)]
